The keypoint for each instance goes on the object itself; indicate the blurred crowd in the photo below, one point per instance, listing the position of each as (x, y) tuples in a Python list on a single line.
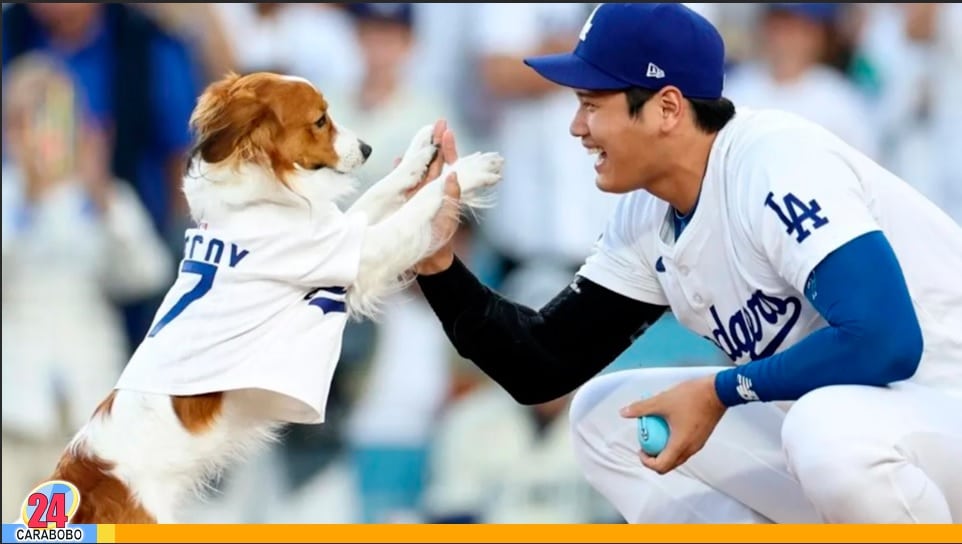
[(96, 99)]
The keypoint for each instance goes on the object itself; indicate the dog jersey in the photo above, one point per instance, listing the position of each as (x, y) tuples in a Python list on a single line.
[(258, 303), (779, 195)]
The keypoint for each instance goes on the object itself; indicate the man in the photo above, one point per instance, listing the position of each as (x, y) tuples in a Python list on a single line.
[(832, 285), (139, 84), (66, 224), (792, 72)]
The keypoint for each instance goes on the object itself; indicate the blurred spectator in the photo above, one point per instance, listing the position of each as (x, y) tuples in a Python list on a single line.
[(442, 62), (891, 69), (548, 206), (314, 41), (792, 73), (938, 29), (735, 22), (202, 27), (394, 419), (74, 239), (140, 87), (531, 476), (384, 108), (407, 378), (915, 52), (138, 80), (496, 461)]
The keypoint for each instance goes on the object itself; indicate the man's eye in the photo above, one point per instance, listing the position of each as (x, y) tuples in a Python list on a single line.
[(321, 121)]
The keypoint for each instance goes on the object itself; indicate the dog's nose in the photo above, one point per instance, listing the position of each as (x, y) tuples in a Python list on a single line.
[(365, 150)]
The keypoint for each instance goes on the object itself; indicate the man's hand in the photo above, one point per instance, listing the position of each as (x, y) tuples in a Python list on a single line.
[(692, 410), (447, 154), (446, 222), (93, 166)]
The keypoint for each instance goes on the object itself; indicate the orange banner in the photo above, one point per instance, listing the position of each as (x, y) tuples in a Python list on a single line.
[(530, 533)]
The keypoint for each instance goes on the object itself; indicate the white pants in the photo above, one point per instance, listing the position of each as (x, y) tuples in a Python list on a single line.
[(840, 454)]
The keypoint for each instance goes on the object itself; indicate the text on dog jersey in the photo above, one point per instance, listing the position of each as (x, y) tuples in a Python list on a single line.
[(211, 250), (744, 332), (202, 257)]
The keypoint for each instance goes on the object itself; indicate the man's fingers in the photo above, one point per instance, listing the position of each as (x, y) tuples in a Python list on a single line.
[(452, 189), (447, 154), (668, 459), (439, 127), (449, 148), (644, 407), (434, 170)]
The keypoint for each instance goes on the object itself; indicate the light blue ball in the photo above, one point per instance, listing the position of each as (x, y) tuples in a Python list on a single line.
[(652, 434)]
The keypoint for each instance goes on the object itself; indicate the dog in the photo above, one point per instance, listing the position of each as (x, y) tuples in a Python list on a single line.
[(247, 338)]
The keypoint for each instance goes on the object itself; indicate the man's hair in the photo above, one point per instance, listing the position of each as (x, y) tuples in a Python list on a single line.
[(28, 78), (710, 115)]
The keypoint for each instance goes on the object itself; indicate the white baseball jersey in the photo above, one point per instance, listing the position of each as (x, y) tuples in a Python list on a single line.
[(779, 195), (258, 303)]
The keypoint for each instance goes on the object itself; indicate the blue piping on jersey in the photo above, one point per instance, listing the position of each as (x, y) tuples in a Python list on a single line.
[(679, 222), (873, 335)]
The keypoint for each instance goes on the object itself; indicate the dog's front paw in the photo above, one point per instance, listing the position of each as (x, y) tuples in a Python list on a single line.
[(477, 172), (422, 139), (418, 156)]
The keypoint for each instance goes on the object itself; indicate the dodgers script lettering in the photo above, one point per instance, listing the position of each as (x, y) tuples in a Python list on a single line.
[(743, 333)]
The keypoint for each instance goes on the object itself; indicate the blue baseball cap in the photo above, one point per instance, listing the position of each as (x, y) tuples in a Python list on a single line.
[(641, 45), (822, 12), (400, 13)]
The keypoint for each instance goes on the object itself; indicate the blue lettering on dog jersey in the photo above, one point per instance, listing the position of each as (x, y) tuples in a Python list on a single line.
[(211, 250), (202, 256), (328, 299)]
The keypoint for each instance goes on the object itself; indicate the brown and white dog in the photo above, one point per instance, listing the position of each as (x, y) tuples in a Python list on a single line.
[(266, 142)]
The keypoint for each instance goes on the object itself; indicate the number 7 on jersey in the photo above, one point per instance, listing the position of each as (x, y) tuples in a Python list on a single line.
[(207, 272)]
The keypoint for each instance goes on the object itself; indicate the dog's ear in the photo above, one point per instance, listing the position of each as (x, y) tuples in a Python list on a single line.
[(224, 119)]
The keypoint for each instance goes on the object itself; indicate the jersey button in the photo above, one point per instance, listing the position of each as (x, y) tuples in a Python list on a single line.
[(697, 299), (683, 269)]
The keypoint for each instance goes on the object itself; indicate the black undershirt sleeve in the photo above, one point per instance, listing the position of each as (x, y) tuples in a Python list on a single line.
[(536, 356)]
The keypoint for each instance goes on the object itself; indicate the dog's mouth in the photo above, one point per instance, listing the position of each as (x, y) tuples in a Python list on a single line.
[(321, 166)]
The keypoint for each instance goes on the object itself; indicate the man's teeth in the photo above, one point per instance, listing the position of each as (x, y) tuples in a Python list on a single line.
[(594, 151)]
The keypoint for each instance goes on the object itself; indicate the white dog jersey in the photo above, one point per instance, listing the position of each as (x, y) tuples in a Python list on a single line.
[(766, 216), (258, 303)]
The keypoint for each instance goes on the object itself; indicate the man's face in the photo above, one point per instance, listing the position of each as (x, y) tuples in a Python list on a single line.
[(68, 21), (626, 146), (792, 41), (384, 44)]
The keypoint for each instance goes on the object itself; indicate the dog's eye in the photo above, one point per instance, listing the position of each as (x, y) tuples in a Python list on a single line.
[(321, 121)]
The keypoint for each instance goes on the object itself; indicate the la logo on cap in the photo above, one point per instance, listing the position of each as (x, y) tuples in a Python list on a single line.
[(585, 29)]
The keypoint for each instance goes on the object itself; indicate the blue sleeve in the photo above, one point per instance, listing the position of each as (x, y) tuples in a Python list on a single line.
[(174, 95), (873, 336)]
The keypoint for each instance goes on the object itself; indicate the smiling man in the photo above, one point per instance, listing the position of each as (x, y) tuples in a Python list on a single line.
[(830, 283)]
